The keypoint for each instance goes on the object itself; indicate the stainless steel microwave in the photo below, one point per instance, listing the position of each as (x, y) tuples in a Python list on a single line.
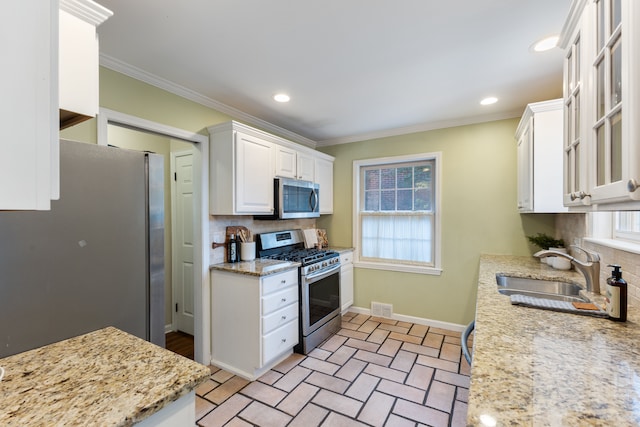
[(294, 198)]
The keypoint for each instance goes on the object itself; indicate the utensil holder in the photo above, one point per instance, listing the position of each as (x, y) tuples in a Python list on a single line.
[(247, 251)]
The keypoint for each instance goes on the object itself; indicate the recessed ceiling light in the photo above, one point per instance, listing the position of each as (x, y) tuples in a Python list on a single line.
[(545, 44), (488, 101), (281, 97)]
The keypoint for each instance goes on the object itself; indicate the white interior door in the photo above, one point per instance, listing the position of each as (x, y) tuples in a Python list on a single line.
[(183, 237)]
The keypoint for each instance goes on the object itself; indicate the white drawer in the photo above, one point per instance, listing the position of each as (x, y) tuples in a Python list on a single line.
[(273, 302), (279, 341), (279, 318), (279, 281), (346, 257)]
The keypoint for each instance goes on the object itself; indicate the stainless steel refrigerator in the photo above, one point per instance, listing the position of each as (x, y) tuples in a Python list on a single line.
[(96, 259)]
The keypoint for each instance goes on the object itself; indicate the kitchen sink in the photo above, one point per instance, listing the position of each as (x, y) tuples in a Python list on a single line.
[(548, 289)]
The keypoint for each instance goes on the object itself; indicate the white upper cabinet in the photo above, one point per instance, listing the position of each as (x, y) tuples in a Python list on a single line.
[(79, 59), (602, 103), (291, 163), (34, 38), (539, 139), (244, 162), (29, 105), (324, 178), (241, 172)]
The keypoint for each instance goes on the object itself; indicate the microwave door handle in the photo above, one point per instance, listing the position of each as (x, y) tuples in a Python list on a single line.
[(313, 200)]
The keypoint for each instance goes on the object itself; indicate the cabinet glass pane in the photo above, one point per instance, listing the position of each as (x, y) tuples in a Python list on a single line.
[(567, 172), (616, 15), (571, 83), (616, 147), (576, 61), (576, 114), (576, 167), (570, 135), (601, 29), (600, 150), (616, 74), (600, 90)]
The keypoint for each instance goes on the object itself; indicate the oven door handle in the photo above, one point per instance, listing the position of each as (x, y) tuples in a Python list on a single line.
[(321, 274)]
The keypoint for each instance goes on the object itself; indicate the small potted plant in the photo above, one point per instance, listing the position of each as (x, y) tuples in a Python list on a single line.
[(546, 242)]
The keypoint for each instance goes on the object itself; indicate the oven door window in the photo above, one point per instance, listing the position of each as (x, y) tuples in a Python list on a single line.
[(324, 298)]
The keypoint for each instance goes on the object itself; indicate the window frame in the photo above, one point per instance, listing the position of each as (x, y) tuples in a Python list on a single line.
[(400, 266), (601, 230)]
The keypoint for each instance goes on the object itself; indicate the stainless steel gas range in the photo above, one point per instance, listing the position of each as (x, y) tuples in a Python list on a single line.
[(319, 284)]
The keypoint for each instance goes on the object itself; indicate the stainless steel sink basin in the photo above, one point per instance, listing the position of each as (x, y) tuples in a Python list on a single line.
[(563, 291)]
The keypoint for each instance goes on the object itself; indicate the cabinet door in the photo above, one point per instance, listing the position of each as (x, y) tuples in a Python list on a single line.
[(324, 177), (254, 175), (29, 105), (525, 169), (615, 171), (305, 167), (285, 162), (575, 185), (346, 280)]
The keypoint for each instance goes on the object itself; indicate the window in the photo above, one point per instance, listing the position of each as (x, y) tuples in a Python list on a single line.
[(618, 230), (396, 221), (627, 226)]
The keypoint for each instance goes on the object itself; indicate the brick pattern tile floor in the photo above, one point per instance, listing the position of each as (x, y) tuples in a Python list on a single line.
[(373, 372)]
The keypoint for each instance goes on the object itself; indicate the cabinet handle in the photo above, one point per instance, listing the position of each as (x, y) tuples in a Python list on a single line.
[(632, 185), (578, 195), (283, 281), (284, 300), (284, 317), (284, 340)]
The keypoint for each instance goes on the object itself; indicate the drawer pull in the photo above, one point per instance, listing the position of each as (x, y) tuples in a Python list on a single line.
[(284, 340), (284, 300), (284, 317), (283, 281)]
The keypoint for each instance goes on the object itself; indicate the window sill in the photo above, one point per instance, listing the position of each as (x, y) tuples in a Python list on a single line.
[(622, 245), (400, 268)]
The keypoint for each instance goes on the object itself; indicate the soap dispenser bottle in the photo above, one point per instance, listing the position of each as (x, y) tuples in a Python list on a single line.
[(616, 295)]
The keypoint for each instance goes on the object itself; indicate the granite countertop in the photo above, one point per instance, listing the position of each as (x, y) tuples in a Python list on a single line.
[(546, 368), (340, 249), (257, 267), (106, 378)]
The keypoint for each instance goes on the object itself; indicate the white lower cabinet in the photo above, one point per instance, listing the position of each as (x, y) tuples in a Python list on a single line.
[(346, 280), (254, 320)]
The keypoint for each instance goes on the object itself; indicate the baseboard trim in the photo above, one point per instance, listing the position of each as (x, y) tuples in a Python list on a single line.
[(168, 328), (413, 319)]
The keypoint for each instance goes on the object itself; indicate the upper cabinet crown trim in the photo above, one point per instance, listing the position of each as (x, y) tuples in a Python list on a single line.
[(87, 10), (573, 19), (234, 125)]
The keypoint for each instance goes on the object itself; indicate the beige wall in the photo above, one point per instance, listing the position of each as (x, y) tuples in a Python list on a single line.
[(478, 209)]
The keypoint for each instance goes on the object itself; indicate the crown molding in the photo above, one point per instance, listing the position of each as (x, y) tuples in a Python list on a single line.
[(146, 77), (423, 127), (87, 10)]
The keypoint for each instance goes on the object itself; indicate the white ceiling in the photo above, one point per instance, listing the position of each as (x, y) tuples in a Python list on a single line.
[(354, 69)]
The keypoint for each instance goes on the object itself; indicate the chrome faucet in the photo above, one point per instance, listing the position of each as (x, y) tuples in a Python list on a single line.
[(590, 269)]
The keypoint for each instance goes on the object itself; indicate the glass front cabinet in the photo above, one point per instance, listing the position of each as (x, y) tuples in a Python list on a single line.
[(601, 40)]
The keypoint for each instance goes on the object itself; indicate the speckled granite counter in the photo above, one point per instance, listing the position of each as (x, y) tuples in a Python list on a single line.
[(340, 249), (104, 378), (545, 368), (257, 267)]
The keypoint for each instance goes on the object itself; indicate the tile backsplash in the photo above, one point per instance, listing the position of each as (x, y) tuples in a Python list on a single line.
[(572, 227), (219, 223)]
